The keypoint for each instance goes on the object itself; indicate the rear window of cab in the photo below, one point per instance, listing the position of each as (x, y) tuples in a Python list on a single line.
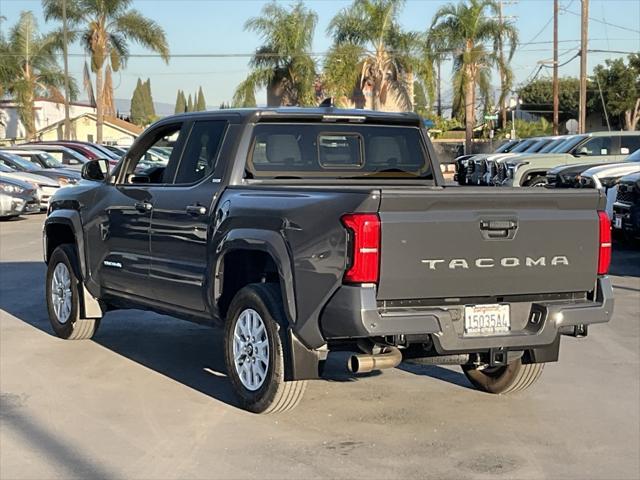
[(337, 151)]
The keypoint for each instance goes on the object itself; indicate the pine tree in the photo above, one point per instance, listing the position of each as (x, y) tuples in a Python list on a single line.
[(189, 104), (180, 103), (149, 109), (201, 104), (137, 105)]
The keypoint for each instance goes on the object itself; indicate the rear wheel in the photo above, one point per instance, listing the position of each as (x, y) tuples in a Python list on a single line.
[(508, 379), (254, 355), (63, 297)]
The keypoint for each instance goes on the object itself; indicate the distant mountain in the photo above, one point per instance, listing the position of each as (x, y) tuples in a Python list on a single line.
[(123, 107)]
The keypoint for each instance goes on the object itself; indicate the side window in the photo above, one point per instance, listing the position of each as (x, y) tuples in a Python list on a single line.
[(597, 146), (629, 144), (156, 159), (201, 151)]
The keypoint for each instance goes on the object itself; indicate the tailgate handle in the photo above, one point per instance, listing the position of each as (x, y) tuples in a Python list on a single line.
[(498, 229)]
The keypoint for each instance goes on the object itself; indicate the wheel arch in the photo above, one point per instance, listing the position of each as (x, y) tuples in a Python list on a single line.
[(249, 256)]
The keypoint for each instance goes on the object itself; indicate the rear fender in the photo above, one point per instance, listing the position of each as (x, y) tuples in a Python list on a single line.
[(270, 242)]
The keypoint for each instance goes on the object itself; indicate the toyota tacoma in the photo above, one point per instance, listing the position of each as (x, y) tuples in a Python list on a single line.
[(306, 231)]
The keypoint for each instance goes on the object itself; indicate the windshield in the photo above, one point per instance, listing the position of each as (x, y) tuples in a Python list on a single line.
[(568, 144), (551, 145), (506, 147), (524, 145), (18, 162), (536, 147), (4, 168), (49, 160), (634, 157), (337, 151)]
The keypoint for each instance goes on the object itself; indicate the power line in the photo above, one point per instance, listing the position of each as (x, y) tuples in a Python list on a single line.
[(604, 22)]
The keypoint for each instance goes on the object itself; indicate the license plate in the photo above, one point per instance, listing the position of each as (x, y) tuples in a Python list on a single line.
[(617, 222), (486, 319)]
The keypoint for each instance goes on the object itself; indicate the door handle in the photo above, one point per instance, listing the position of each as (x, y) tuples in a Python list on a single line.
[(196, 210), (143, 206), (498, 229)]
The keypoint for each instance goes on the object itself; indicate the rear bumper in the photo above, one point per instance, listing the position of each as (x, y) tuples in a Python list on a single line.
[(353, 313)]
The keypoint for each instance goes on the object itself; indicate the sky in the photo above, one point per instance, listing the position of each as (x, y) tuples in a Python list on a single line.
[(217, 27)]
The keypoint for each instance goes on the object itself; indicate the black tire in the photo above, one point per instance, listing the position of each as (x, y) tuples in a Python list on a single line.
[(274, 394), (513, 378), (74, 327), (537, 181)]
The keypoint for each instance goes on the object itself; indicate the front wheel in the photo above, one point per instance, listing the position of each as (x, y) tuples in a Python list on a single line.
[(538, 181), (63, 297), (254, 355), (508, 379)]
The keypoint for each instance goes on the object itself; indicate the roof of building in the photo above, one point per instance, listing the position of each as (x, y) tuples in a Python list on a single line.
[(114, 122)]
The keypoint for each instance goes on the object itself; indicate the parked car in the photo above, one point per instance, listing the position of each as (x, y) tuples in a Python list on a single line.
[(44, 160), (626, 209), (84, 149), (482, 168), (306, 231), (17, 197), (594, 148), (68, 157), (45, 187), (119, 151), (63, 176), (461, 161)]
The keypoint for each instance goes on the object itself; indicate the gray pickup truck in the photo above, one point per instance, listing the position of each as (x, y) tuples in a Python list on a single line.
[(306, 231)]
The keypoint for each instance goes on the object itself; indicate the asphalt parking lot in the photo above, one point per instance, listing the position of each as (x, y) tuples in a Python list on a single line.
[(148, 398)]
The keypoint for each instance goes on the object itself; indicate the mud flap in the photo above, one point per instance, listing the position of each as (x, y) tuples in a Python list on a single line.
[(302, 364)]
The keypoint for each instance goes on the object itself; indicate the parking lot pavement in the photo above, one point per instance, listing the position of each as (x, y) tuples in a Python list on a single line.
[(148, 398)]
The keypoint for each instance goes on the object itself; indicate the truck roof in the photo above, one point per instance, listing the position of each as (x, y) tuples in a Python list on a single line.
[(329, 114)]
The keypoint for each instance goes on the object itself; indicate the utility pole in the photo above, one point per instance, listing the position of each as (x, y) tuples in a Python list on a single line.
[(439, 111), (556, 89), (67, 120), (584, 38), (503, 108)]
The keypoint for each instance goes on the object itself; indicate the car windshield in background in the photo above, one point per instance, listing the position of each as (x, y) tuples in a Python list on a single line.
[(539, 145), (524, 145), (336, 151), (49, 160), (5, 168), (568, 144), (18, 162), (551, 145), (634, 157), (507, 147)]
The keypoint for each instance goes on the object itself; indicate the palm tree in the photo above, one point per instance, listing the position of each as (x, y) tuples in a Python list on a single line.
[(282, 64), (469, 34), (105, 29), (371, 52), (29, 68)]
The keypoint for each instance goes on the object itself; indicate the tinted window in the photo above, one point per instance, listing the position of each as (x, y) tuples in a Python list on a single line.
[(634, 157), (507, 147), (145, 166), (551, 145), (522, 146), (629, 144), (336, 151), (568, 144), (596, 146), (201, 152), (536, 147)]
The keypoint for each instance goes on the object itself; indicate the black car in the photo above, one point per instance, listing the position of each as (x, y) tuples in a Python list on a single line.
[(626, 209)]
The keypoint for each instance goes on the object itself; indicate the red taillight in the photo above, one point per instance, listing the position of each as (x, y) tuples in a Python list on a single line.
[(604, 253), (364, 265)]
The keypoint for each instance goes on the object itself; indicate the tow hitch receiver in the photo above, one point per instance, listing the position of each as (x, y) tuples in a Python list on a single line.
[(497, 357)]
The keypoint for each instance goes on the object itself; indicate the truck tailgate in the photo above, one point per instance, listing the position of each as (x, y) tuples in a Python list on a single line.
[(471, 242)]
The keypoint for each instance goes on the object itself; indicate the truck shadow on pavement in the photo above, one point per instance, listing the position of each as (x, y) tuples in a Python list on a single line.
[(186, 352)]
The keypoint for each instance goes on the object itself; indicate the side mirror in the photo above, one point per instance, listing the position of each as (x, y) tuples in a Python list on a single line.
[(96, 170)]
